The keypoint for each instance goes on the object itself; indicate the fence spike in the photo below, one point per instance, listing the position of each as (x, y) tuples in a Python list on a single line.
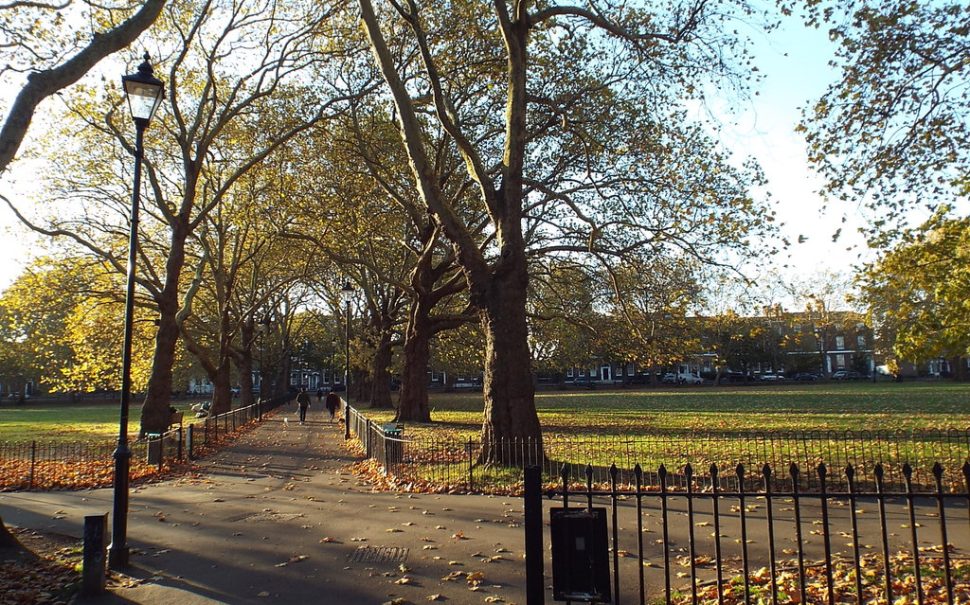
[(638, 473), (941, 512), (662, 472), (766, 471), (613, 472), (793, 471), (907, 471), (849, 472), (688, 472), (713, 471), (822, 471), (878, 471)]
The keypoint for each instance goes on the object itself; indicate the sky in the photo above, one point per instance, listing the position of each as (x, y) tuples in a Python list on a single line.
[(794, 62)]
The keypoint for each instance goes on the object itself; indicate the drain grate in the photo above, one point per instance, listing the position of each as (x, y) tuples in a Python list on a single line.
[(379, 554)]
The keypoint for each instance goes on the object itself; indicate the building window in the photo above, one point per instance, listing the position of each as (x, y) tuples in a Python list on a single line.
[(840, 343), (861, 341), (840, 361)]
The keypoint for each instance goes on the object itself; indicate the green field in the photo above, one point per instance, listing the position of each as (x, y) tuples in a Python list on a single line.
[(621, 412), (839, 423), (65, 422), (836, 406), (701, 425)]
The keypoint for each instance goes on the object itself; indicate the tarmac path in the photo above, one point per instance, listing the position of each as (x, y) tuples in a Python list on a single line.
[(277, 518)]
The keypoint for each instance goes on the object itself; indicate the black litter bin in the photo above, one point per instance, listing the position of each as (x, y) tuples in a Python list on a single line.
[(154, 448), (393, 446)]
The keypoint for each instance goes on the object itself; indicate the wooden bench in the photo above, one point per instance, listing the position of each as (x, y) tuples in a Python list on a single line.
[(176, 418)]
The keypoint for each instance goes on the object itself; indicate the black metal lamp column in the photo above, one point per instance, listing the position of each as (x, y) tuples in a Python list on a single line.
[(144, 92), (264, 336), (347, 295), (333, 350)]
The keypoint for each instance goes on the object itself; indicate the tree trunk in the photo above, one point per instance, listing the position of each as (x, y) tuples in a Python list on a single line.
[(380, 388), (244, 364), (155, 412), (245, 368), (511, 434), (413, 404), (221, 388)]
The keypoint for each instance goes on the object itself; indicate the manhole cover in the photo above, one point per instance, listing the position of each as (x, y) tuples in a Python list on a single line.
[(379, 554)]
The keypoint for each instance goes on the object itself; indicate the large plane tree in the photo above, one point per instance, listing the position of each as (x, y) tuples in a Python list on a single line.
[(575, 143)]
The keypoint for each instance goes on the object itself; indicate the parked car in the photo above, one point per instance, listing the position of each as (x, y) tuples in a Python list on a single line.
[(804, 377), (771, 377), (681, 378), (584, 382), (730, 376), (846, 375)]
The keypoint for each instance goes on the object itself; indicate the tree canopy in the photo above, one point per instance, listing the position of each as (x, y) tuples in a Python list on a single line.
[(894, 130)]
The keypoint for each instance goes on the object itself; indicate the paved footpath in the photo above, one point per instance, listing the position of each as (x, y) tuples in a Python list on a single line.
[(277, 518)]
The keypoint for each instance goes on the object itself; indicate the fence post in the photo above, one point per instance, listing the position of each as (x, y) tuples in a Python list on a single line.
[(367, 436), (387, 456), (347, 417), (259, 409), (190, 441), (534, 563), (180, 442), (33, 463), (471, 478)]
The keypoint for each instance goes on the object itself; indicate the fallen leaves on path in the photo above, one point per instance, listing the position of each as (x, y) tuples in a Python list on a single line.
[(43, 573), (293, 559)]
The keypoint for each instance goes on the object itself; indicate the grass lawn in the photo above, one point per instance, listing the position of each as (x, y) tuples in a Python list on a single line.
[(651, 426), (804, 407), (67, 422)]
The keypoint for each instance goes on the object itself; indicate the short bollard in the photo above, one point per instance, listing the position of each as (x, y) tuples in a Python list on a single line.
[(95, 554)]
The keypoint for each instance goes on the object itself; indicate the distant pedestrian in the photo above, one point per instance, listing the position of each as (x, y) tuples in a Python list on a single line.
[(320, 395), (333, 402), (303, 402)]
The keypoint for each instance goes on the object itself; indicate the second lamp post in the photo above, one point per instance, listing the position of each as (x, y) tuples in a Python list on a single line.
[(347, 295)]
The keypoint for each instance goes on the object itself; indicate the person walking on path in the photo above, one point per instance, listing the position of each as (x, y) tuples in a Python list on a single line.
[(303, 402), (333, 402)]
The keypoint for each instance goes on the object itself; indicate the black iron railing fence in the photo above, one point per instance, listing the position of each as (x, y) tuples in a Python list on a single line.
[(37, 464), (751, 543), (455, 463)]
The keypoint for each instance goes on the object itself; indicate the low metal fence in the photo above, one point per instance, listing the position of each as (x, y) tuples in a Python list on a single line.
[(738, 539), (457, 463), (58, 465)]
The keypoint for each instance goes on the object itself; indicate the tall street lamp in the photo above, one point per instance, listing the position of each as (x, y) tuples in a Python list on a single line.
[(264, 336), (347, 295), (333, 350), (144, 92)]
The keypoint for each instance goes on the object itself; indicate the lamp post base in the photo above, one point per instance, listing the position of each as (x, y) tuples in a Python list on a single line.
[(118, 558), (118, 550)]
